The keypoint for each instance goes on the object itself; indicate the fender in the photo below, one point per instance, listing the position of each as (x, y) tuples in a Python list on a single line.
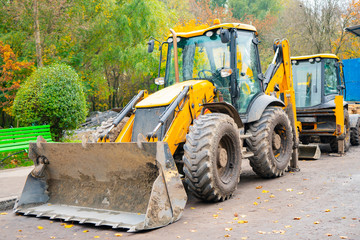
[(258, 106), (354, 119), (225, 108)]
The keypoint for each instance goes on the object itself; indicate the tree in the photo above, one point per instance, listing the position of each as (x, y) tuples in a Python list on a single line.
[(257, 8), (12, 73), (52, 95)]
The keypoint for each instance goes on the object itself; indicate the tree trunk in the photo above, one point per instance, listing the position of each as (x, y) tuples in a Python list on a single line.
[(39, 60)]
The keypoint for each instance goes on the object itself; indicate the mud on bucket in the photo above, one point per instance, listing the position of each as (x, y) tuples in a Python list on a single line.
[(113, 184)]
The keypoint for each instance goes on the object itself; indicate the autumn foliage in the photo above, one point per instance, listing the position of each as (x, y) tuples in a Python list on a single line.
[(12, 72)]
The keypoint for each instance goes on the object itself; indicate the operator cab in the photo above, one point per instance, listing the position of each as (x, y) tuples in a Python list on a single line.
[(317, 80), (233, 66)]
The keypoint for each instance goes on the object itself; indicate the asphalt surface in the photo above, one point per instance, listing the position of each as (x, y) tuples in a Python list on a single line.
[(319, 202)]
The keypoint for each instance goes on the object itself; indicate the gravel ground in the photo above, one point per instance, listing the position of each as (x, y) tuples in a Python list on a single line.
[(319, 202)]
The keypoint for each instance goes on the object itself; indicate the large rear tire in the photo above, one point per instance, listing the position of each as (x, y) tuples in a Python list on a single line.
[(212, 157), (354, 134), (271, 142)]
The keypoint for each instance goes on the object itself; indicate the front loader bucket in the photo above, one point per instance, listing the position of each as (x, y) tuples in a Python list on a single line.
[(124, 185), (309, 151)]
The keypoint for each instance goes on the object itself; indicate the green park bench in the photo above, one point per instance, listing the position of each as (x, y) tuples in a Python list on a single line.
[(18, 139)]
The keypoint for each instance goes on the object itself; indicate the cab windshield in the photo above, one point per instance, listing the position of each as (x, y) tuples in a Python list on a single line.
[(199, 58), (307, 83)]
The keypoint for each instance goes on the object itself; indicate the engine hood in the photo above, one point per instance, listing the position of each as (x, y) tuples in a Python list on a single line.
[(165, 96)]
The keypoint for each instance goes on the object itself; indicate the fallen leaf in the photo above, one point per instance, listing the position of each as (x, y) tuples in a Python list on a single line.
[(178, 237), (316, 222), (343, 237), (20, 230), (235, 218), (52, 237), (96, 236), (327, 210), (265, 191), (62, 224), (297, 218), (258, 187), (227, 235), (220, 209), (185, 222), (192, 208), (266, 200), (261, 232), (244, 238), (282, 231), (289, 190), (68, 226), (215, 216), (236, 215), (354, 218), (40, 227), (118, 234), (243, 216), (228, 229), (193, 230), (4, 213), (272, 196), (269, 209), (255, 203), (242, 221), (139, 213), (343, 217), (288, 226), (308, 215), (51, 221), (300, 193), (258, 198), (328, 234), (305, 179), (85, 231), (289, 205), (276, 221)]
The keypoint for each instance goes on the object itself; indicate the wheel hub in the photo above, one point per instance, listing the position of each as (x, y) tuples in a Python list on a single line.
[(222, 157), (276, 141)]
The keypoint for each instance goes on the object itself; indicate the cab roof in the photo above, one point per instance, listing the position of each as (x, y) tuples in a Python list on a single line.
[(321, 55), (240, 26)]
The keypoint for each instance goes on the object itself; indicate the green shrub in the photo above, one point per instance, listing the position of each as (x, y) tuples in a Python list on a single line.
[(51, 95)]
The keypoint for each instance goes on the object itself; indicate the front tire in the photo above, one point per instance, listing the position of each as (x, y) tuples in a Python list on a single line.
[(271, 142), (212, 157)]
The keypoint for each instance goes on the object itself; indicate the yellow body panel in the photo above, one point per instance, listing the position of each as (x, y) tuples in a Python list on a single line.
[(240, 26), (165, 96), (321, 55), (339, 113), (202, 91), (284, 79)]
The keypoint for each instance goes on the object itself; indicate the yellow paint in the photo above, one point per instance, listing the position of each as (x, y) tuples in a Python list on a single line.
[(339, 113), (240, 26), (201, 92), (125, 134), (166, 95), (321, 55), (284, 79)]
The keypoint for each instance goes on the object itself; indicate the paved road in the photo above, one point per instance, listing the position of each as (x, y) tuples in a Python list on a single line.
[(12, 181), (323, 197)]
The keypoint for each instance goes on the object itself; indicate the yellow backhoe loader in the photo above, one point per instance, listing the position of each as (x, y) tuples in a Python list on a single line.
[(319, 86), (214, 109)]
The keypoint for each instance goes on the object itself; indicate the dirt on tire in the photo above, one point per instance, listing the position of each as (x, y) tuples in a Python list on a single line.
[(212, 157)]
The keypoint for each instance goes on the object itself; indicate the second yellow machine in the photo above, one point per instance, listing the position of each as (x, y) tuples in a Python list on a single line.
[(214, 109)]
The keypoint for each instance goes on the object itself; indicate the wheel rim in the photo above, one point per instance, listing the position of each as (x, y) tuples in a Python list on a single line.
[(278, 142), (225, 159)]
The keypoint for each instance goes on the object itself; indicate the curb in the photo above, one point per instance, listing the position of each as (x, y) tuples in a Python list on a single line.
[(7, 203)]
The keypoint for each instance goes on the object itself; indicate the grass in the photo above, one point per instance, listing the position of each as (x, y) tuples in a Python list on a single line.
[(17, 160)]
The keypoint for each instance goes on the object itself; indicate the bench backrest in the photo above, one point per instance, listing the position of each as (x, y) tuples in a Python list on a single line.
[(13, 139)]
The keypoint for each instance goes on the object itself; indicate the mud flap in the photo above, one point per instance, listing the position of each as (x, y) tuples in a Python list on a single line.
[(309, 151), (123, 185)]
